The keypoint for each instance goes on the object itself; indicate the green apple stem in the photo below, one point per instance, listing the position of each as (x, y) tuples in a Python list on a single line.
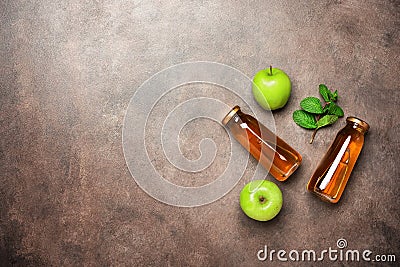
[(262, 199), (270, 70)]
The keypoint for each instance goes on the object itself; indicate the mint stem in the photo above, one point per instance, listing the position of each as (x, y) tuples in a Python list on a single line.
[(313, 135), (317, 119), (319, 116)]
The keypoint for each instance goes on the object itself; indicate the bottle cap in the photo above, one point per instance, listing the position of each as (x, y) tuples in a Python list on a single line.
[(359, 122), (230, 115)]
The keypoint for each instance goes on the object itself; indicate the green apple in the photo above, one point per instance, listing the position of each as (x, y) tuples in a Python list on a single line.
[(261, 200), (271, 88)]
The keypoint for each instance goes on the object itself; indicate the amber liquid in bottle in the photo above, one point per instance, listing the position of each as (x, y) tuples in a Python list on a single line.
[(271, 151), (333, 172)]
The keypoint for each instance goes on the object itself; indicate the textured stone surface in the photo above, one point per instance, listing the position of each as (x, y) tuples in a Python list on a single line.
[(69, 69)]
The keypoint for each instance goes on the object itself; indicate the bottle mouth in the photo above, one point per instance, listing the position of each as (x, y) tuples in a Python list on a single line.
[(359, 122), (230, 115)]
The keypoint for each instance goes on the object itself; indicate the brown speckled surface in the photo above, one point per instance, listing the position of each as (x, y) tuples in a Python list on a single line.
[(68, 70)]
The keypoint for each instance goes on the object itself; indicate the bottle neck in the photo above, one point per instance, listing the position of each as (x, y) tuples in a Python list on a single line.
[(357, 124), (228, 118), (234, 120)]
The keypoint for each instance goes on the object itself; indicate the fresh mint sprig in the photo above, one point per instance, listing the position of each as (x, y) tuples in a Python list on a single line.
[(315, 116)]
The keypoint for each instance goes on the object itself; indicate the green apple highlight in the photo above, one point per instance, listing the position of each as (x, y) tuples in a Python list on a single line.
[(261, 200), (271, 88)]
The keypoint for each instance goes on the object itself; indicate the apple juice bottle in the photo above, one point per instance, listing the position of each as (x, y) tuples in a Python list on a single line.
[(332, 173), (271, 151)]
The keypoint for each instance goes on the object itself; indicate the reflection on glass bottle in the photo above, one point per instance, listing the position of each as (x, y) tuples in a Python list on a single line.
[(271, 151), (333, 172)]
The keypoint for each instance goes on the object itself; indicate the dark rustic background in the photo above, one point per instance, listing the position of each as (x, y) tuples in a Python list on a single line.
[(69, 69)]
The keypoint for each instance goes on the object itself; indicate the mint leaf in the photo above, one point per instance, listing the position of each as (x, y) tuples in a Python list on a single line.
[(304, 119), (324, 91), (326, 120), (334, 109), (333, 96), (327, 94), (312, 104), (315, 115)]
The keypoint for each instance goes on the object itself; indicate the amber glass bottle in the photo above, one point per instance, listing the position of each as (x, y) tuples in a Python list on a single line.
[(272, 152), (332, 173)]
